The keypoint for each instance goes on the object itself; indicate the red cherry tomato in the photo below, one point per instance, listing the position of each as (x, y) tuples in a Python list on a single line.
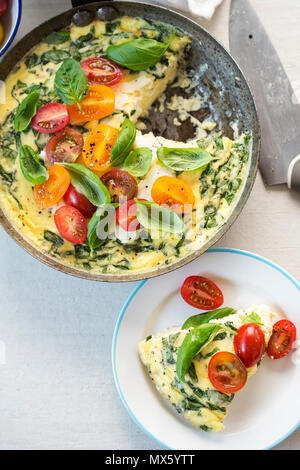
[(50, 118), (3, 6), (76, 199), (71, 224), (282, 339), (226, 372), (126, 216), (64, 146), (120, 184), (202, 293), (249, 344), (101, 71)]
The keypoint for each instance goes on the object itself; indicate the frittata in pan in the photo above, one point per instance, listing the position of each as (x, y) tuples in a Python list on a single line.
[(72, 149)]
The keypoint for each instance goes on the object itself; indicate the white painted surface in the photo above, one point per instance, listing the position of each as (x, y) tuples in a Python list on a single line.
[(56, 388)]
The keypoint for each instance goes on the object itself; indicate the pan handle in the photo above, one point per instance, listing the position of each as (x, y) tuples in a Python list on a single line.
[(79, 3)]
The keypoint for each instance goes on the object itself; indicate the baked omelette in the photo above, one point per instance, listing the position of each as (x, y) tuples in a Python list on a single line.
[(46, 125), (195, 398)]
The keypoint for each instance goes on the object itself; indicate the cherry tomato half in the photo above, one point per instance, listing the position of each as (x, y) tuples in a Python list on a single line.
[(202, 293), (71, 224), (126, 216), (249, 344), (101, 71), (120, 184), (51, 191), (78, 200), (99, 102), (50, 118), (64, 146), (173, 193), (281, 342), (3, 6), (97, 147), (226, 372)]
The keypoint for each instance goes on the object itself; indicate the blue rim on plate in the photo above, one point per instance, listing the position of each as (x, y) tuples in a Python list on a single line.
[(15, 29), (132, 295)]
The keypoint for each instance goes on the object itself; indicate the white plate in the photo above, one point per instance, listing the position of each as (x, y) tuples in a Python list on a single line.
[(267, 410)]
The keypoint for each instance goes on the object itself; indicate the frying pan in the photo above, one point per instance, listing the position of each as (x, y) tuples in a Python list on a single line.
[(221, 80)]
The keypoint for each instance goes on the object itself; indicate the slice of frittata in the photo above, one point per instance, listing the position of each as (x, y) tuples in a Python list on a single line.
[(197, 400)]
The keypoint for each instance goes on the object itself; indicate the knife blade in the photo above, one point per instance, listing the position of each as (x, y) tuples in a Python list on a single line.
[(278, 109)]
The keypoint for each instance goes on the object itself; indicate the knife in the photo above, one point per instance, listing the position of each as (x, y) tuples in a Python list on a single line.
[(278, 108)]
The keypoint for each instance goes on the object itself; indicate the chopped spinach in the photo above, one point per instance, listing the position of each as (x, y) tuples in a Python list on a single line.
[(53, 238), (167, 352), (6, 176)]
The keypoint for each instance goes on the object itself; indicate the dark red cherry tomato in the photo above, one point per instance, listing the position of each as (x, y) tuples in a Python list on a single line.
[(101, 71), (249, 344), (201, 293), (282, 339), (50, 118), (78, 200), (3, 6), (71, 224), (64, 146), (120, 184), (226, 372)]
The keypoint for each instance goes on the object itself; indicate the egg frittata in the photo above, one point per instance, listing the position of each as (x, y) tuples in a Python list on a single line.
[(196, 399), (215, 187)]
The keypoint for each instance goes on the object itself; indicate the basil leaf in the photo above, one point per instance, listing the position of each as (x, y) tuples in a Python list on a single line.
[(252, 318), (57, 37), (71, 83), (193, 343), (197, 320), (31, 167), (154, 217), (93, 240), (184, 159), (139, 54), (138, 162), (103, 212), (124, 143), (26, 110), (86, 182)]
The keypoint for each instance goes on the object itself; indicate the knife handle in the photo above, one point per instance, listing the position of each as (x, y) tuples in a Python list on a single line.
[(293, 175)]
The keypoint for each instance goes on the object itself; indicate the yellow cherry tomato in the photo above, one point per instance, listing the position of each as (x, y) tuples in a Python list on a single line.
[(173, 193)]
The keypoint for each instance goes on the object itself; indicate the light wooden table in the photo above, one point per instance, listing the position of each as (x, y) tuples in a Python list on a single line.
[(56, 388)]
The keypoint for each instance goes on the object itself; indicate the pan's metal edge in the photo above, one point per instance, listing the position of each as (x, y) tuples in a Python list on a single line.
[(46, 259)]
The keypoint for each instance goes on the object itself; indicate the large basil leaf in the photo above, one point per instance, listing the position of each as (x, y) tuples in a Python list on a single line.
[(26, 111), (71, 83), (31, 167), (138, 162), (124, 143), (184, 159), (154, 217), (57, 37), (197, 320), (193, 343), (89, 184), (139, 54)]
